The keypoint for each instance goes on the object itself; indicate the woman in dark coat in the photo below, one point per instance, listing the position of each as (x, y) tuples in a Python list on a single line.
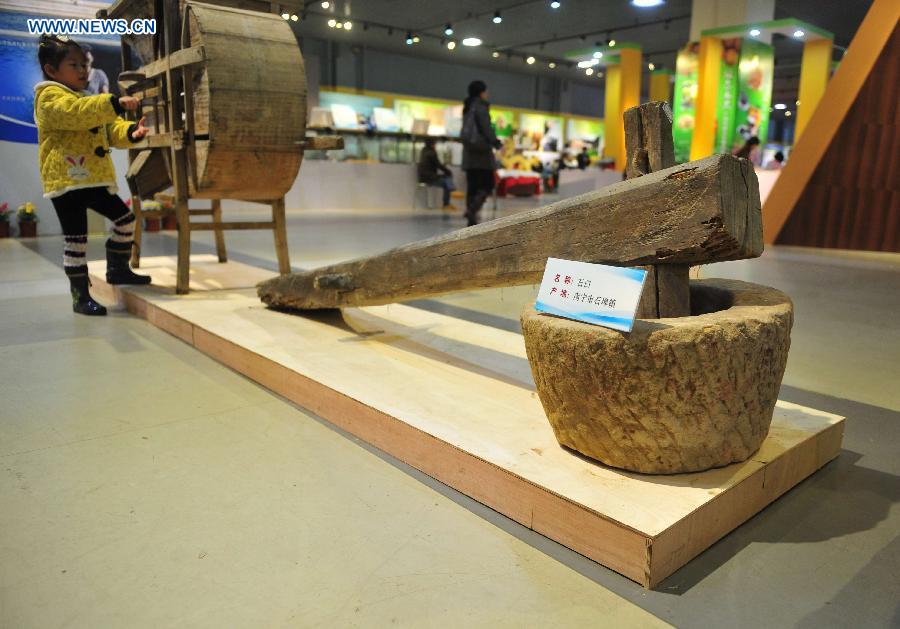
[(479, 142)]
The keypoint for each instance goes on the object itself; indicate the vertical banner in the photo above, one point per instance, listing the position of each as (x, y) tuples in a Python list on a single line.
[(756, 71), (20, 71), (684, 100), (728, 91)]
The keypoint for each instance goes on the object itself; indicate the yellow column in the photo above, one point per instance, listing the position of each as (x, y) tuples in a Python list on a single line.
[(814, 71), (660, 82), (623, 91), (709, 60), (614, 126)]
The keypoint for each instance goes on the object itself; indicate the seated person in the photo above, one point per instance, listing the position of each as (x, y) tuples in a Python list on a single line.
[(433, 173)]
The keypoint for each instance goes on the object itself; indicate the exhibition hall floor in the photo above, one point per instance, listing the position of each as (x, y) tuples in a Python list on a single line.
[(146, 485)]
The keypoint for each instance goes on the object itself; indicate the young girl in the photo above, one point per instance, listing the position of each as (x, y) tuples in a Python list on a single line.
[(75, 133)]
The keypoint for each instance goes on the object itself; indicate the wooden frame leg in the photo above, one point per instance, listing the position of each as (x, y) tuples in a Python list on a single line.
[(182, 281), (138, 232), (280, 230), (219, 232)]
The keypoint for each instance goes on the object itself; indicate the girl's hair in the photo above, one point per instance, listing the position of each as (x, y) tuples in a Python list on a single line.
[(476, 89), (52, 50)]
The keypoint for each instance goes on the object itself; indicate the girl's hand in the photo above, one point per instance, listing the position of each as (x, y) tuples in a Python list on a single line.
[(140, 130), (129, 103)]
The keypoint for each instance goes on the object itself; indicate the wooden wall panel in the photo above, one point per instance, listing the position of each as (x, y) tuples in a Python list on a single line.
[(851, 200)]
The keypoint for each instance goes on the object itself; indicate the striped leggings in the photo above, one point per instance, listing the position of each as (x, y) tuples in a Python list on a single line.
[(71, 208)]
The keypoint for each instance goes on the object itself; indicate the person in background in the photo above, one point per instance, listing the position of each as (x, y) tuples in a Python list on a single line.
[(98, 82), (777, 161), (583, 158), (479, 142), (433, 173), (748, 150)]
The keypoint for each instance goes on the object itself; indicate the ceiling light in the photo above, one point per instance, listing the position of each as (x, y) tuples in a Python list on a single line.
[(530, 60), (599, 74), (416, 39), (798, 33), (551, 65), (286, 16), (473, 41), (451, 45), (651, 66), (294, 17), (646, 4), (598, 55), (332, 22), (612, 43), (589, 71), (409, 39), (326, 4), (494, 54), (555, 4), (787, 113), (448, 30), (754, 32), (339, 25), (497, 19), (348, 25), (797, 103), (780, 106), (585, 64)]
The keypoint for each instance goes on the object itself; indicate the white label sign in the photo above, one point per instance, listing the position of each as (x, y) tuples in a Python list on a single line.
[(592, 293)]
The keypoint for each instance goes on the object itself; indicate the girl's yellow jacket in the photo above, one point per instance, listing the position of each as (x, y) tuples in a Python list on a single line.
[(75, 133)]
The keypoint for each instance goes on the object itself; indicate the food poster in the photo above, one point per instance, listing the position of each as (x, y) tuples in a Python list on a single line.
[(728, 90), (540, 132), (755, 74), (685, 99), (504, 122), (409, 110), (364, 105), (590, 131)]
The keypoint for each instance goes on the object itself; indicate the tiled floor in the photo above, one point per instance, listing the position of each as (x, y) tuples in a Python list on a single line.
[(145, 485)]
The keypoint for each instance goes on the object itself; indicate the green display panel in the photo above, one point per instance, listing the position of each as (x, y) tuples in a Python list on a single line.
[(755, 74), (728, 91), (685, 99), (504, 121)]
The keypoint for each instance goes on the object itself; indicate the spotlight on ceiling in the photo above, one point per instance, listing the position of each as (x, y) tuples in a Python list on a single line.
[(286, 16), (497, 19), (799, 34), (348, 25), (495, 55), (651, 66), (326, 4), (551, 65), (754, 32), (585, 64), (332, 23), (409, 39), (416, 39), (555, 4), (448, 30), (646, 4), (339, 25), (612, 43), (589, 71), (530, 60), (780, 106), (472, 41), (787, 113), (598, 55), (451, 45)]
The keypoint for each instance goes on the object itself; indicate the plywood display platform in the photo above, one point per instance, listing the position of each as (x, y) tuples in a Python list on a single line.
[(455, 400)]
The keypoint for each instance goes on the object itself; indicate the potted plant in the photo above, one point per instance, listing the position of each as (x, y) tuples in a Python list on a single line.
[(151, 224), (4, 220), (28, 220)]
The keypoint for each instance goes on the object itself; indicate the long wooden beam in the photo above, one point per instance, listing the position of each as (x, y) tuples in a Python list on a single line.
[(695, 213)]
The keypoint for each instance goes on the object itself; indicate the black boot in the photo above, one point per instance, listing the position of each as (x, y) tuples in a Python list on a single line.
[(82, 302), (118, 271)]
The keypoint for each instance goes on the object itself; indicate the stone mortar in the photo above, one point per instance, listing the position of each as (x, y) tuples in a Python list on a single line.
[(674, 395)]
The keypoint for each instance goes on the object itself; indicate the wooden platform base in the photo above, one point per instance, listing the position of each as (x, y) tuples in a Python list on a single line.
[(455, 400)]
